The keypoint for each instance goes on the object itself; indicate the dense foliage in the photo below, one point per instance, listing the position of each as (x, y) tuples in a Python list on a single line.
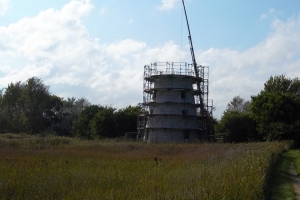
[(97, 122), (276, 109), (28, 107), (236, 124), (273, 114)]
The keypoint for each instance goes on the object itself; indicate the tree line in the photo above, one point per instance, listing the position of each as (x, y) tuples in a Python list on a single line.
[(273, 114), (28, 107)]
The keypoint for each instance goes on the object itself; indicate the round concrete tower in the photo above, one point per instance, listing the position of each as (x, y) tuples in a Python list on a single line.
[(170, 103)]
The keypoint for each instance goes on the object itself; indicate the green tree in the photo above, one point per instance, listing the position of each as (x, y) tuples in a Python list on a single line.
[(14, 104), (72, 107), (126, 120), (237, 127), (238, 104), (29, 107), (282, 84), (54, 111), (235, 124), (81, 126), (36, 100), (275, 114), (54, 114), (103, 124), (276, 109), (3, 115), (68, 113), (96, 122)]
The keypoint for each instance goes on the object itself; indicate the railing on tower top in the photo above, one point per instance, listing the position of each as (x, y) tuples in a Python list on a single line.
[(169, 68)]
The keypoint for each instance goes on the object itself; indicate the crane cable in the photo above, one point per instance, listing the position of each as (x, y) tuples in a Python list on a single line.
[(181, 35)]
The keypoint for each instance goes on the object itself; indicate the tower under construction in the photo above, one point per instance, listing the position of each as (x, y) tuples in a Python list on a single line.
[(175, 104), (172, 110)]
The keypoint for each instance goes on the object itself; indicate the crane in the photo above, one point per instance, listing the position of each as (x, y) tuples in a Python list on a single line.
[(194, 61)]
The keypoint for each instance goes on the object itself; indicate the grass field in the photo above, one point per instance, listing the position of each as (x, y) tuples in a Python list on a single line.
[(63, 168)]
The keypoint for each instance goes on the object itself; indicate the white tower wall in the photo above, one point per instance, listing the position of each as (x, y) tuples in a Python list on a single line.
[(170, 99)]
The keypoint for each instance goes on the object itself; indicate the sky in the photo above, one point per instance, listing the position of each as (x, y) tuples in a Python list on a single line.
[(98, 49)]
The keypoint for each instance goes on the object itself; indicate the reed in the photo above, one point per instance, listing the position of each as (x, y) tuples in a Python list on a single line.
[(73, 169)]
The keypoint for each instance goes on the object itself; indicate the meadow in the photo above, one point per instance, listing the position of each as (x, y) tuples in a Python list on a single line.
[(62, 168)]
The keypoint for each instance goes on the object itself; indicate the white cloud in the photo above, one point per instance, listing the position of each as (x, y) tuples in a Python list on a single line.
[(272, 10), (102, 10), (4, 5), (263, 16), (55, 40), (271, 13), (56, 47), (168, 4), (244, 72)]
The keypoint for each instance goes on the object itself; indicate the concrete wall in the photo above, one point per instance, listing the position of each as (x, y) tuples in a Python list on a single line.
[(173, 116)]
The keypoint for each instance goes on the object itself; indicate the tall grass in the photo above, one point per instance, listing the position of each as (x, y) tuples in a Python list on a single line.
[(71, 169)]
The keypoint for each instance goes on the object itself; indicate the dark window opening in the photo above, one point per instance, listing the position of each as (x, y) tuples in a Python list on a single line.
[(154, 95), (186, 134), (183, 94), (146, 135), (184, 112)]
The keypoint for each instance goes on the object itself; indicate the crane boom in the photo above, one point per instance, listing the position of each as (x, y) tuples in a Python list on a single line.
[(190, 40), (194, 60)]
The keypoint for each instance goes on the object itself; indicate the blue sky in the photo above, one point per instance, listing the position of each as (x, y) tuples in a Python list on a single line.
[(97, 49)]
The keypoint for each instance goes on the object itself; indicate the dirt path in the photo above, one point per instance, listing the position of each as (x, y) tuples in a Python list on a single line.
[(296, 181)]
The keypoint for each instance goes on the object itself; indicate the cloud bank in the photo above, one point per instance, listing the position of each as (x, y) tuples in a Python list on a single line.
[(244, 72), (4, 5), (56, 46)]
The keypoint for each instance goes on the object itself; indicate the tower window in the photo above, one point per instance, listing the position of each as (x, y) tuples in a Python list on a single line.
[(184, 113), (154, 95), (183, 94), (186, 134)]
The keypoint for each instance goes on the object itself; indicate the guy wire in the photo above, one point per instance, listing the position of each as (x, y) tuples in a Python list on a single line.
[(181, 35)]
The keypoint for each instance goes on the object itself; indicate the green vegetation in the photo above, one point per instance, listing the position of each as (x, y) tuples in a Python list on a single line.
[(28, 107), (280, 183), (273, 114), (296, 155), (96, 122), (34, 167)]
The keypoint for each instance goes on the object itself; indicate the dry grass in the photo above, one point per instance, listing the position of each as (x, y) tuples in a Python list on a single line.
[(61, 168)]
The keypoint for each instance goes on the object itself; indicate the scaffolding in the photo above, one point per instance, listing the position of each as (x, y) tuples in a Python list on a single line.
[(171, 103)]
